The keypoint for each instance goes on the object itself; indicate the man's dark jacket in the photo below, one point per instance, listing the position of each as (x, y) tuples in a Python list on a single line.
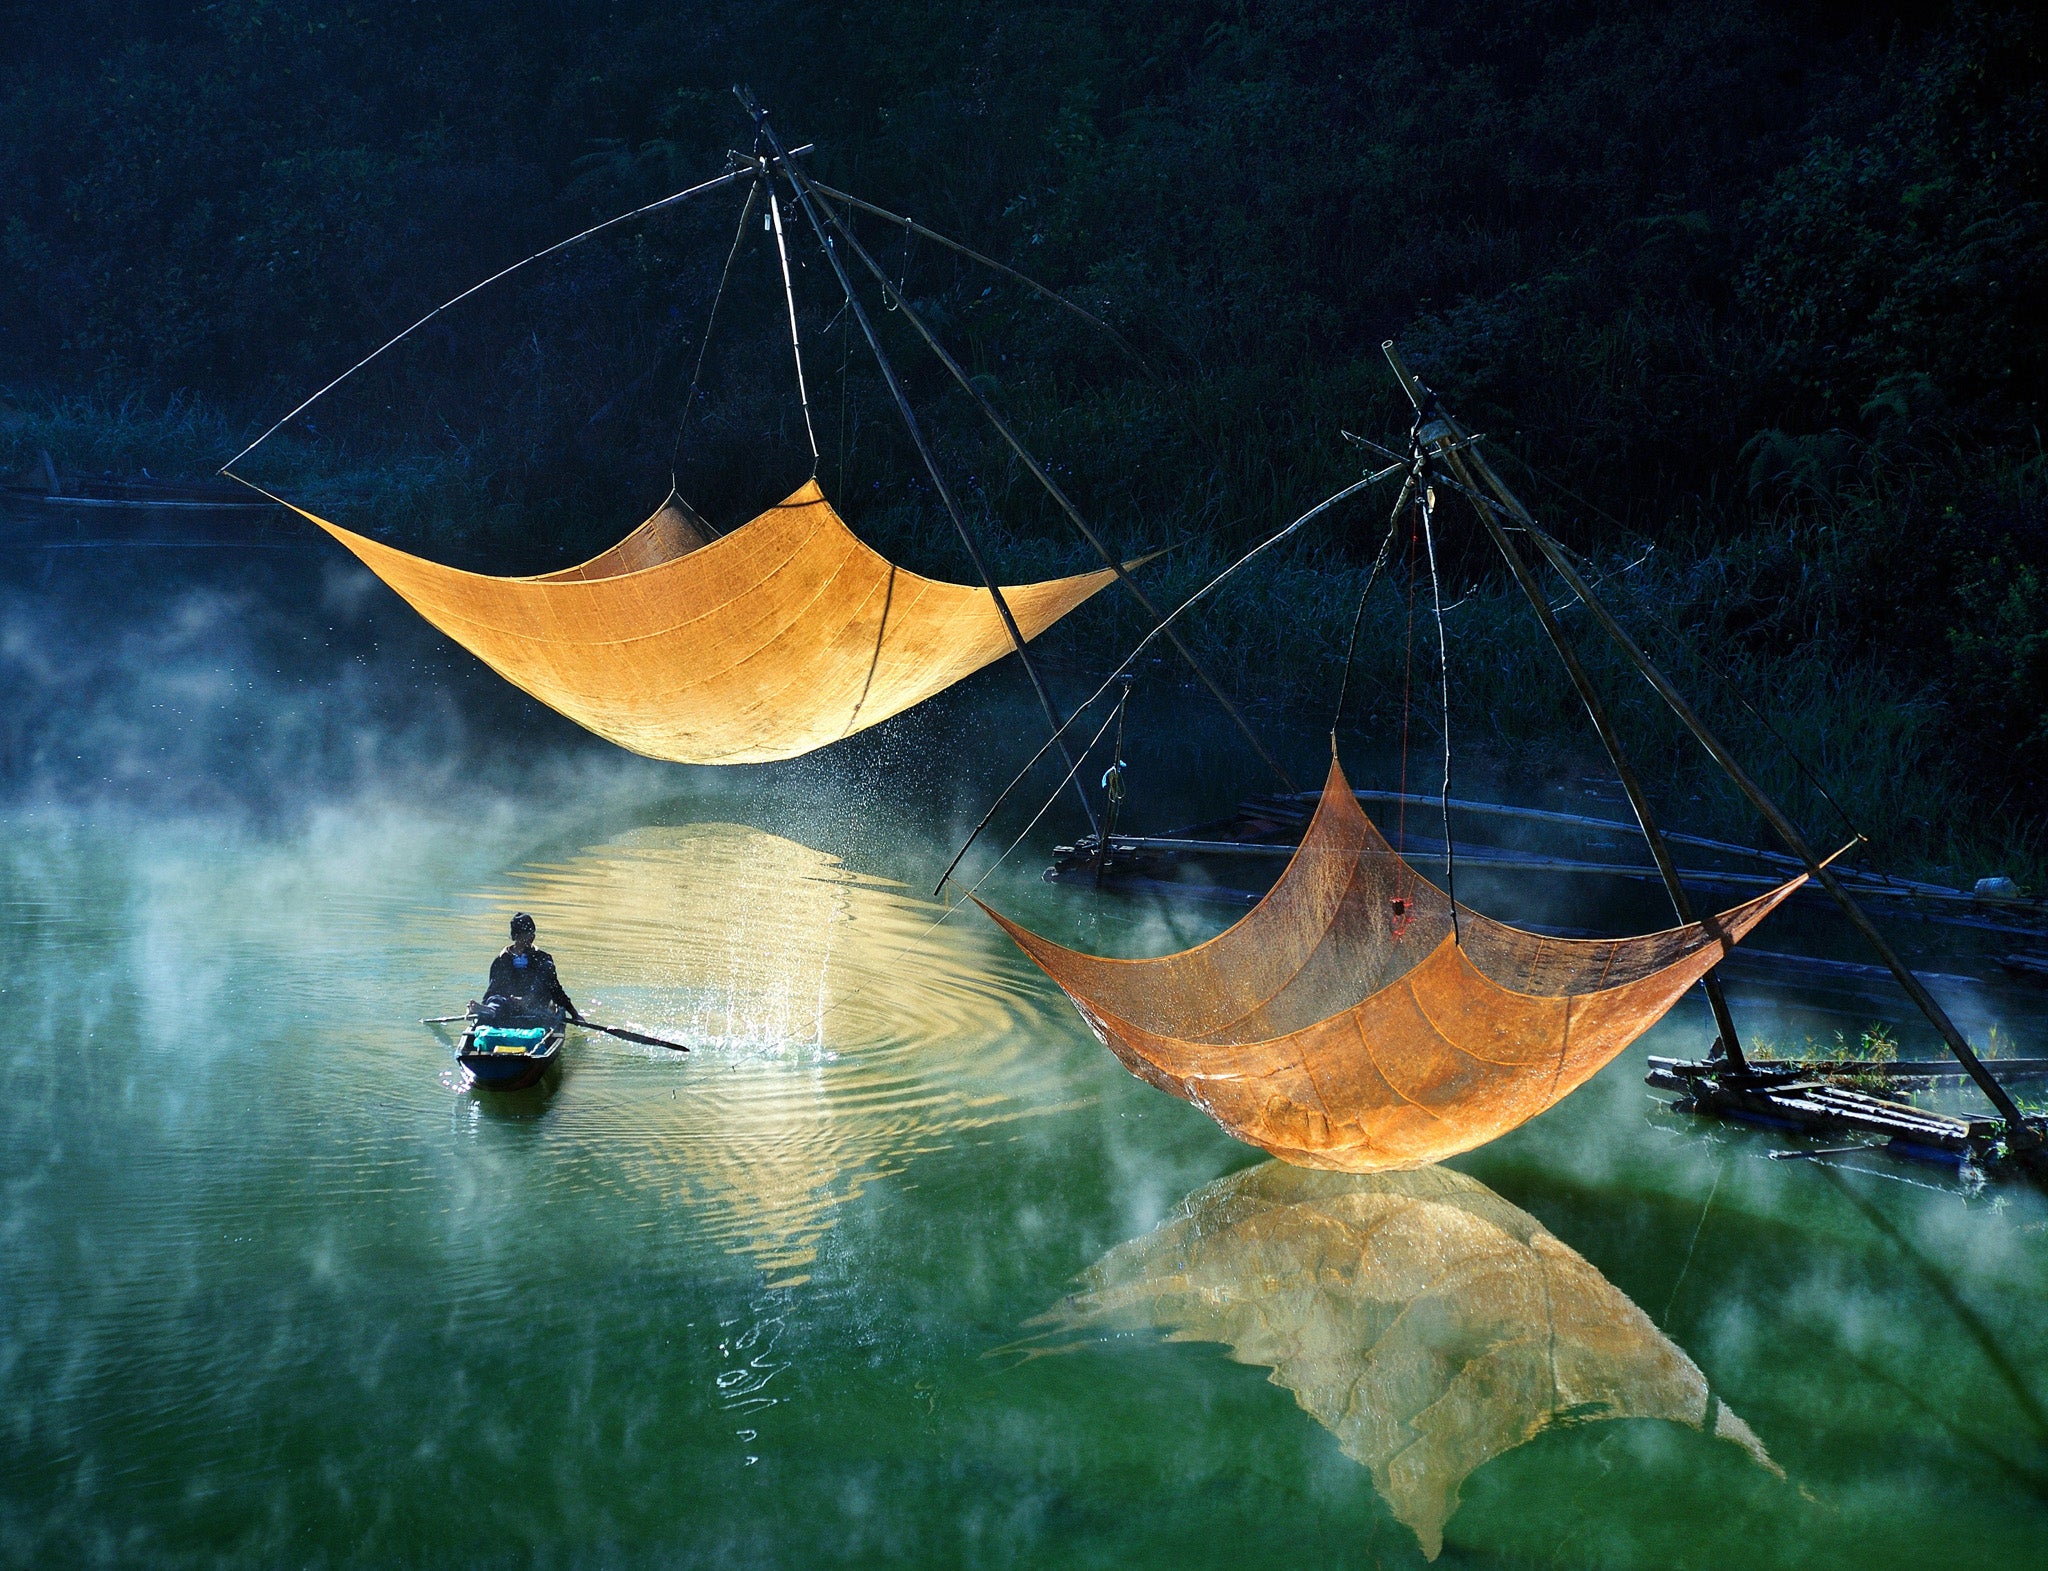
[(532, 986)]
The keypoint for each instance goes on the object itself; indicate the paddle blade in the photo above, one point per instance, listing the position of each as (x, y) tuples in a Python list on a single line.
[(634, 1036)]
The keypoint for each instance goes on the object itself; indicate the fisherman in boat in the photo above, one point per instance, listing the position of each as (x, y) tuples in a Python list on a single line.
[(524, 989)]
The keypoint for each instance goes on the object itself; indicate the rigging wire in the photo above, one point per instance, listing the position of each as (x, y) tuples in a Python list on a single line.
[(795, 348), (1426, 506), (1072, 770), (1692, 658), (1038, 471), (1672, 641), (910, 225), (894, 302), (1358, 616), (1131, 659), (1113, 784), (1403, 910), (800, 184), (675, 457), (730, 177)]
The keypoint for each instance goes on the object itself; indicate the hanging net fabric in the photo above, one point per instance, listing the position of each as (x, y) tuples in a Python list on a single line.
[(1424, 1321), (1342, 1024), (768, 642)]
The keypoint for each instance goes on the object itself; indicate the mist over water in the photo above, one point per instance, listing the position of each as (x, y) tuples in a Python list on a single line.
[(276, 1287)]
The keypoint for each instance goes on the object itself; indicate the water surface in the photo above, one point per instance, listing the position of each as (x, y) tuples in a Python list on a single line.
[(836, 1287)]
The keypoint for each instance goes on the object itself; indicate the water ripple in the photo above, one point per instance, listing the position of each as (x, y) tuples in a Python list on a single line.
[(835, 1033)]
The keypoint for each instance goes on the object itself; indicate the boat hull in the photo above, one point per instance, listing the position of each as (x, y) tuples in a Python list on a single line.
[(503, 1071)]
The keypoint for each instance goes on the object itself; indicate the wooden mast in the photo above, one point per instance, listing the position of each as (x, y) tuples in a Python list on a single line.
[(1463, 458), (924, 451)]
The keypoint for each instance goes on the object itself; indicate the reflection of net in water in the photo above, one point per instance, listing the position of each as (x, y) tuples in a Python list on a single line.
[(742, 944), (1420, 1318)]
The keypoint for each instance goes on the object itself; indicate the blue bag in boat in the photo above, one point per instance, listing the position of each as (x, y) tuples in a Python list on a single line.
[(507, 1039)]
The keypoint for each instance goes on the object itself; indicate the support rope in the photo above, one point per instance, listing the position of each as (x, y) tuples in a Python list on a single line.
[(1358, 616), (1671, 640), (1113, 785), (728, 178), (1052, 489), (1425, 504), (1403, 909), (1511, 524), (795, 348), (911, 226), (1145, 643), (675, 457), (800, 184)]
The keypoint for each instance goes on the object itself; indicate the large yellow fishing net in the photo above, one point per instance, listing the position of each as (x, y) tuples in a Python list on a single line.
[(782, 636), (1344, 1024)]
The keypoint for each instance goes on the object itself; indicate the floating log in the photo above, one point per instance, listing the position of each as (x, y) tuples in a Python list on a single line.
[(76, 495), (69, 514)]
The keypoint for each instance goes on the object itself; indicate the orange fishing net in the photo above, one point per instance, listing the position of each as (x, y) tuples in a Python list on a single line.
[(1341, 1024), (778, 638), (1420, 1318)]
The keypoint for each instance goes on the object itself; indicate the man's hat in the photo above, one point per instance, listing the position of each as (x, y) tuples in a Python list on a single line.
[(521, 923)]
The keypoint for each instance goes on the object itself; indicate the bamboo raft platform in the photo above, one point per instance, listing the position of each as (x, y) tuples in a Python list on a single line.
[(1808, 1099)]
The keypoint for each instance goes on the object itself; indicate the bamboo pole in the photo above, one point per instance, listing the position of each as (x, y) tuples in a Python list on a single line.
[(1596, 711), (2020, 1135), (1053, 490), (924, 451), (912, 226)]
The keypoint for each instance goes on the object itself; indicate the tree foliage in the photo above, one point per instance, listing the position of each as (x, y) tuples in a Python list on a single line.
[(1735, 273)]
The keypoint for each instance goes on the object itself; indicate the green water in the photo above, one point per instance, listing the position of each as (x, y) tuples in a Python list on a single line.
[(277, 1289)]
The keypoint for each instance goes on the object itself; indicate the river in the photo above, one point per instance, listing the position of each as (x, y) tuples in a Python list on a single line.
[(896, 1264)]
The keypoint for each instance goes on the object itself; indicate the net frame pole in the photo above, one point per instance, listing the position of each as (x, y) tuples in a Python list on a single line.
[(912, 226), (924, 451), (1631, 784), (796, 348), (2020, 1135), (1052, 489), (715, 183)]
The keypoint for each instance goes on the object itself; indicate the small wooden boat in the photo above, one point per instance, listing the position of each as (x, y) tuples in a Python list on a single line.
[(508, 1058)]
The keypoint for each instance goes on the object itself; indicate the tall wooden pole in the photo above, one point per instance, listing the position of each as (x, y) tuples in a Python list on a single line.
[(1660, 853), (2020, 1135), (1053, 490), (924, 451)]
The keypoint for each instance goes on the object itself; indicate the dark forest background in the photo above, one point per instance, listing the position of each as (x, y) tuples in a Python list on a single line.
[(1757, 285)]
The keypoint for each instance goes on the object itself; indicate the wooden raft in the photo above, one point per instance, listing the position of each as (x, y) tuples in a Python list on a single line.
[(1808, 1099)]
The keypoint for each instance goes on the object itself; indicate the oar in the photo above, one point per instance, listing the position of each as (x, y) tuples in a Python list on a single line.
[(589, 1025), (630, 1036)]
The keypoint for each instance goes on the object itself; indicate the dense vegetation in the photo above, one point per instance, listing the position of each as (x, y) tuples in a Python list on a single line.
[(1757, 283)]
